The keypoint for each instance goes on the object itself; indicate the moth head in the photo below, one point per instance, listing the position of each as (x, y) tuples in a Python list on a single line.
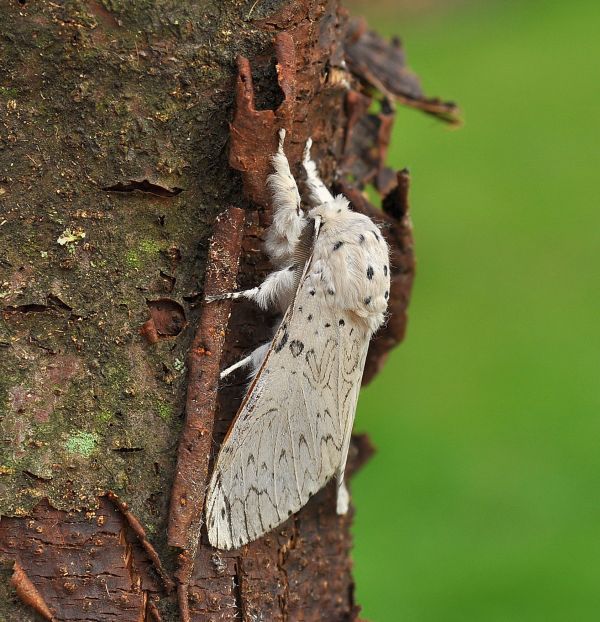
[(331, 211)]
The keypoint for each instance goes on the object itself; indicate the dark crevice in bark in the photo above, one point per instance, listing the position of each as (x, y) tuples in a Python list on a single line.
[(143, 186)]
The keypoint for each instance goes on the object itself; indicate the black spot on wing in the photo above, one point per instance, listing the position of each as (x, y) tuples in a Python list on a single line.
[(370, 272), (376, 235), (337, 245), (331, 292), (368, 300), (282, 342), (296, 348), (342, 323), (385, 270), (309, 318), (361, 238), (386, 295)]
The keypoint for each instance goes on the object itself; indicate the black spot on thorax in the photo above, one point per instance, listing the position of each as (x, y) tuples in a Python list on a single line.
[(337, 245), (370, 272)]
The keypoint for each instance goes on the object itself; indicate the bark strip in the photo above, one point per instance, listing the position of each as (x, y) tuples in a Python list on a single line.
[(195, 444)]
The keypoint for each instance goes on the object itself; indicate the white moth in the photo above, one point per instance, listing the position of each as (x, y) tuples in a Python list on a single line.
[(292, 431)]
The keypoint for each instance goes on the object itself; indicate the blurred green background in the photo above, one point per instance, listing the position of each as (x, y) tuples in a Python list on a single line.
[(482, 503)]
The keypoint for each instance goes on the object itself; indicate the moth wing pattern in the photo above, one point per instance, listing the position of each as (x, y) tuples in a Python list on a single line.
[(292, 432)]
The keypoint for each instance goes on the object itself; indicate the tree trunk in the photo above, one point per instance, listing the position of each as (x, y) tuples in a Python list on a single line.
[(126, 128)]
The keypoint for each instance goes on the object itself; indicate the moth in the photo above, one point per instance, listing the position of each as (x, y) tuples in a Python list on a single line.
[(292, 431)]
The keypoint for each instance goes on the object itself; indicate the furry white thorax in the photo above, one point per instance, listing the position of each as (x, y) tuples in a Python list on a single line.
[(350, 262)]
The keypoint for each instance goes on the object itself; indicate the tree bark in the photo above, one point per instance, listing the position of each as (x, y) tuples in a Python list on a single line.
[(125, 129)]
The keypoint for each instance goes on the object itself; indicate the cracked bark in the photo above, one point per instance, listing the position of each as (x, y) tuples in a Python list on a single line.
[(125, 129)]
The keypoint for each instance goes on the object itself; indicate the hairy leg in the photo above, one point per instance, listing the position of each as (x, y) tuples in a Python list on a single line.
[(276, 291), (253, 360), (288, 218), (317, 191)]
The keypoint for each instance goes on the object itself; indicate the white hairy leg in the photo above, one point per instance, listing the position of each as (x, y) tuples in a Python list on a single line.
[(288, 218), (247, 293), (276, 291), (253, 360), (241, 363), (317, 191)]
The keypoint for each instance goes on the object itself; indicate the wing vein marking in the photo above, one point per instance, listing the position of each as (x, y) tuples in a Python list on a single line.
[(294, 457), (275, 474), (316, 456)]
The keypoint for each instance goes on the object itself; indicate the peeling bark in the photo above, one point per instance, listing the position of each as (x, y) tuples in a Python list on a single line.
[(125, 128)]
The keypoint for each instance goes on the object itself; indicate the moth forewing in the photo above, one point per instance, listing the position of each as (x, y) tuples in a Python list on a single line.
[(292, 431), (291, 434)]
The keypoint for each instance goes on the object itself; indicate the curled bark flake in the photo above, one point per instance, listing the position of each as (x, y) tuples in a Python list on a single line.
[(167, 319), (382, 65), (195, 444), (366, 143), (254, 132), (28, 593)]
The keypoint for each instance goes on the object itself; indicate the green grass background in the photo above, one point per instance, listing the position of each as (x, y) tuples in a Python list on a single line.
[(482, 503)]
